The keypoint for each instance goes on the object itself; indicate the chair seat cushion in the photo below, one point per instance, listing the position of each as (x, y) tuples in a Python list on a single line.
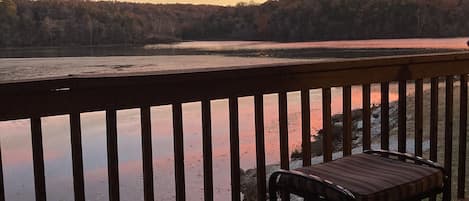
[(373, 177)]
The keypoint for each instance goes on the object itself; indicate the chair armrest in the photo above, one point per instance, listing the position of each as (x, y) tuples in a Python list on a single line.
[(327, 184), (408, 156)]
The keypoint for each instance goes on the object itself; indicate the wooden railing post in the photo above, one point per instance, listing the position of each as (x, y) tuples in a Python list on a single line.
[(260, 147), (366, 116), (178, 138), (327, 124), (402, 116), (112, 155), (147, 155), (234, 149), (434, 122), (385, 116), (306, 128), (38, 159), (434, 119), (347, 110), (77, 157), (207, 150), (462, 138), (283, 130), (418, 117), (448, 137)]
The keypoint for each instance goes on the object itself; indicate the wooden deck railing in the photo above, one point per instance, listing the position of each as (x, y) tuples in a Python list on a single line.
[(33, 99)]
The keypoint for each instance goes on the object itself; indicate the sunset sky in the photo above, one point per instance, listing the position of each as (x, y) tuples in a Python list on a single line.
[(212, 2)]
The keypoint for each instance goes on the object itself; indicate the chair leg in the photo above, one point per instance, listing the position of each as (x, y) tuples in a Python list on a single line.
[(272, 196), (272, 192), (446, 195)]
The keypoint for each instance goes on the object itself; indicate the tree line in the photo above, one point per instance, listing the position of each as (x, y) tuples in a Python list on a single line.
[(67, 23), (309, 20)]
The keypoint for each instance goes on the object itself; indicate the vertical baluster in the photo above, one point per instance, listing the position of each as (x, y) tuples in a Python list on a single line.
[(207, 150), (2, 185), (434, 122), (283, 130), (260, 147), (434, 119), (418, 117), (38, 159), (112, 156), (448, 136), (178, 138), (402, 114), (462, 138), (385, 116), (326, 124), (77, 157), (234, 149), (147, 158), (305, 127), (347, 110), (366, 117)]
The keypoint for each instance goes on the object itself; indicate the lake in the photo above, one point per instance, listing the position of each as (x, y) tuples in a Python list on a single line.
[(324, 49), (16, 141)]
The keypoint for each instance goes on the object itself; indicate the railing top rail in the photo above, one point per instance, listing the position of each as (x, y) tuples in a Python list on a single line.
[(85, 93)]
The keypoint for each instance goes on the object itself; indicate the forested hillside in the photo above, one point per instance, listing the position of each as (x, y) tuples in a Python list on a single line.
[(304, 20), (59, 23)]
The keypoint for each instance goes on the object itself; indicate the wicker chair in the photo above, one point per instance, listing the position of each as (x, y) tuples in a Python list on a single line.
[(375, 175)]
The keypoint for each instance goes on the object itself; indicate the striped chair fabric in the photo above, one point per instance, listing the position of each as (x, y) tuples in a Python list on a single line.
[(369, 177)]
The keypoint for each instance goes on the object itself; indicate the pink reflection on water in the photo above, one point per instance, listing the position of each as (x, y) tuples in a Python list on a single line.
[(423, 43)]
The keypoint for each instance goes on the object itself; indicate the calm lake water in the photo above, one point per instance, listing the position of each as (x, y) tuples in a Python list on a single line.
[(16, 141), (330, 49)]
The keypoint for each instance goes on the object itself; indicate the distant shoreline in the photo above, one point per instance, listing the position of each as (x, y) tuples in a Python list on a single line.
[(306, 53)]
